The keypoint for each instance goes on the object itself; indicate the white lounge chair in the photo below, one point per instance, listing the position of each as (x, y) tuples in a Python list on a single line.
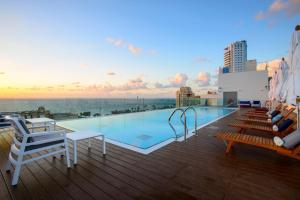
[(26, 143), (3, 122)]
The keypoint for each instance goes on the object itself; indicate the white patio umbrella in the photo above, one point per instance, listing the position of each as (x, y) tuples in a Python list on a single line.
[(273, 86), (272, 90), (270, 94), (279, 83), (284, 83), (294, 69)]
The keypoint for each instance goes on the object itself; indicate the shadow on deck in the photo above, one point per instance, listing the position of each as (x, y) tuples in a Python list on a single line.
[(195, 169)]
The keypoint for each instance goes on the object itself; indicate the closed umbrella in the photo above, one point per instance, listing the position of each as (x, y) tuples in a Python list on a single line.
[(284, 84), (273, 85), (294, 68), (270, 94), (279, 83)]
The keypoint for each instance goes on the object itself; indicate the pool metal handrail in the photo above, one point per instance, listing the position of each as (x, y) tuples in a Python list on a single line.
[(195, 117), (184, 122)]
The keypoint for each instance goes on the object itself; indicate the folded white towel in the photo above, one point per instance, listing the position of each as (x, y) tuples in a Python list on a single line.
[(269, 115), (278, 141), (269, 120), (275, 128)]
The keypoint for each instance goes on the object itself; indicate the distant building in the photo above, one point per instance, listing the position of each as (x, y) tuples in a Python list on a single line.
[(235, 56), (185, 97)]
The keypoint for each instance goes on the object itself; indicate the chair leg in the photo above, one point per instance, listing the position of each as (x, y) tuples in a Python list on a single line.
[(229, 146), (8, 166), (16, 175), (67, 154)]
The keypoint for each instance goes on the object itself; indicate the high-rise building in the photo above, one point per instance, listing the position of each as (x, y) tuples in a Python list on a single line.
[(186, 97), (235, 56)]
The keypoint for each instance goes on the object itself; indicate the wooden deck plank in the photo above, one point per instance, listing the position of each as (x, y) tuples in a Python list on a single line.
[(195, 169), (4, 191)]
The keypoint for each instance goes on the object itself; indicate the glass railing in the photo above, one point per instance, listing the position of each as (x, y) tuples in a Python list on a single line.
[(61, 109), (199, 102)]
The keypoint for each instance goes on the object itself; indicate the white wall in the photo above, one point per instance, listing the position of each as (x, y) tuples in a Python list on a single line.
[(250, 85)]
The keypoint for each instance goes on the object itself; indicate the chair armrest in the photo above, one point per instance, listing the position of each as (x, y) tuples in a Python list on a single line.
[(5, 123), (42, 126), (41, 139), (46, 133)]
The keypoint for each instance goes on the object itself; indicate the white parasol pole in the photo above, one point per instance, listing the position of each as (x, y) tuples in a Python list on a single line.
[(298, 102)]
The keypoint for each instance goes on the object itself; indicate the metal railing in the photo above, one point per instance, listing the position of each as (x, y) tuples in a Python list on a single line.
[(184, 122), (195, 117)]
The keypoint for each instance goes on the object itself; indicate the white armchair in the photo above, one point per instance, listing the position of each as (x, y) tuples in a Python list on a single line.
[(26, 143), (3, 122)]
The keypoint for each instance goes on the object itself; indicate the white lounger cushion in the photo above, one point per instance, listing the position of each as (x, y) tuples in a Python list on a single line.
[(288, 141), (292, 139)]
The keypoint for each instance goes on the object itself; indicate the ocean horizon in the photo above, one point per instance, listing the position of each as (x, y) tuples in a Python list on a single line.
[(101, 106)]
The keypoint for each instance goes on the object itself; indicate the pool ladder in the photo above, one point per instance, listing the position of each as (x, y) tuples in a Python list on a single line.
[(183, 121)]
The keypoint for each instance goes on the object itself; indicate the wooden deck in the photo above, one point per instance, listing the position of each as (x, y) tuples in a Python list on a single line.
[(195, 169)]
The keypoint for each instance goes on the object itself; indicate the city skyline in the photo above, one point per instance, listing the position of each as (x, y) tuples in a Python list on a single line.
[(131, 48)]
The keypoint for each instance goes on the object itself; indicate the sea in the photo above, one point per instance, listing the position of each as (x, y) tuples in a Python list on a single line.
[(100, 106)]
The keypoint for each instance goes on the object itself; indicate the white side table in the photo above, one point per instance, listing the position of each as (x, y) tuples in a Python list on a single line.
[(82, 135), (43, 120)]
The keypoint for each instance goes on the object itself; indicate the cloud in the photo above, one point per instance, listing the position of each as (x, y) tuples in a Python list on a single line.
[(178, 80), (277, 6), (134, 84), (131, 47), (134, 50), (260, 15), (2, 73), (110, 73), (289, 8), (160, 85), (116, 42), (203, 79), (83, 65), (202, 60)]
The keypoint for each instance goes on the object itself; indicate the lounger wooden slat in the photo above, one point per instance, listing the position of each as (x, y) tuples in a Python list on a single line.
[(263, 110), (252, 120), (265, 120), (266, 143), (243, 126)]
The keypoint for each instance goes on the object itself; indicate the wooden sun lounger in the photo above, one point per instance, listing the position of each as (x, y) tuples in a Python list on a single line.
[(285, 114), (255, 121), (266, 143), (243, 126), (264, 115), (263, 110)]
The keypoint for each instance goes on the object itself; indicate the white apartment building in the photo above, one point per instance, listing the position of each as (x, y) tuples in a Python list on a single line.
[(235, 56), (243, 86)]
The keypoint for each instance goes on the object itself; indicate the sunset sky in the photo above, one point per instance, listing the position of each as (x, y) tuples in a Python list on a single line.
[(125, 48)]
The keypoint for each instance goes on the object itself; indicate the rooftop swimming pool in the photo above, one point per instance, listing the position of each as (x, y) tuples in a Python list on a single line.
[(145, 132)]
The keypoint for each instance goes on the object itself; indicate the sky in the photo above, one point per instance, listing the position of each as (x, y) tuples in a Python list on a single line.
[(129, 48)]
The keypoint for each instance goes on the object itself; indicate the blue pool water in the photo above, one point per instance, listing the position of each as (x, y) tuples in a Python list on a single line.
[(144, 129)]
